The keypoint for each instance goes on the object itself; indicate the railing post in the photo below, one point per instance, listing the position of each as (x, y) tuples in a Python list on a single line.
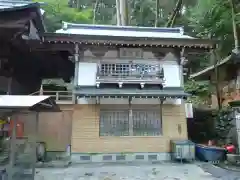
[(41, 90), (57, 96)]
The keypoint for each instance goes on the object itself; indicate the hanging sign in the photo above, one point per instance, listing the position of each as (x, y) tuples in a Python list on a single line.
[(189, 110)]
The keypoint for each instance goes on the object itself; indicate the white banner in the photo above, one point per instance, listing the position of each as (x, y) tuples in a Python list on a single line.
[(189, 110)]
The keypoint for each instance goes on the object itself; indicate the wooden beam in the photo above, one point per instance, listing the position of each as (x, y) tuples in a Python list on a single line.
[(37, 46)]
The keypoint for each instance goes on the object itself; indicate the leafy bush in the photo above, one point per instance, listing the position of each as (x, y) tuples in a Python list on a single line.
[(223, 123)]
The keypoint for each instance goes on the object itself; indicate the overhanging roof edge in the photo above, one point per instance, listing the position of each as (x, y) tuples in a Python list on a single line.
[(33, 103)]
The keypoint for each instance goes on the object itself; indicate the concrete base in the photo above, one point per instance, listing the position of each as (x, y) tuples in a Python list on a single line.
[(233, 158), (119, 157)]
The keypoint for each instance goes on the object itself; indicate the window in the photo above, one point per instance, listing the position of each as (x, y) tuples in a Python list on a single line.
[(114, 123), (117, 123), (146, 123)]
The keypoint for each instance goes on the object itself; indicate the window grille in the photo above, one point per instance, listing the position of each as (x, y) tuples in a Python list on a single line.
[(116, 123), (146, 123), (123, 70)]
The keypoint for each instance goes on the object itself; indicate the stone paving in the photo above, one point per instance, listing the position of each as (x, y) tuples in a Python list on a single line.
[(164, 171), (220, 173)]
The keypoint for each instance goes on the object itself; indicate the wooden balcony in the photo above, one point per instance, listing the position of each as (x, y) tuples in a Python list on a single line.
[(109, 72)]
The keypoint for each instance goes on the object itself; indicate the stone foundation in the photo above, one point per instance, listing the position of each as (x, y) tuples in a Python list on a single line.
[(119, 157)]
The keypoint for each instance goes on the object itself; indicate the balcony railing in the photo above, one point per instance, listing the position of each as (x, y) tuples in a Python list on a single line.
[(130, 72), (61, 97)]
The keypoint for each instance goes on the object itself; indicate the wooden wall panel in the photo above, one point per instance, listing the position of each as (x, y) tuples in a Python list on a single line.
[(54, 128)]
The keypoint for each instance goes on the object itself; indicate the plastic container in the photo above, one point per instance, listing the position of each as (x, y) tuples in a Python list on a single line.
[(210, 153)]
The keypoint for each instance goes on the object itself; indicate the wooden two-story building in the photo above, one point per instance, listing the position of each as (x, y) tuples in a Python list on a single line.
[(128, 89)]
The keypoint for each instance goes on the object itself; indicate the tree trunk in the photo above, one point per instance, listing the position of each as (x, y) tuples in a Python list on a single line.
[(78, 4), (95, 11), (216, 59), (235, 33), (172, 18), (157, 13), (118, 13), (123, 5)]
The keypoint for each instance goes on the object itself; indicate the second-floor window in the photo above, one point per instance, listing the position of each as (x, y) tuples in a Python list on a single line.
[(130, 69)]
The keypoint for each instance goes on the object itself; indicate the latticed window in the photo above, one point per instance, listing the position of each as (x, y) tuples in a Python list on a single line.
[(130, 69), (146, 123), (114, 123), (118, 123)]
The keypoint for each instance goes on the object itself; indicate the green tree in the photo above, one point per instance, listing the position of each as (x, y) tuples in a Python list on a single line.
[(57, 11), (212, 18)]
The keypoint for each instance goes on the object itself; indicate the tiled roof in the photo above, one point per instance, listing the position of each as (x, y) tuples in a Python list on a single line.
[(122, 31)]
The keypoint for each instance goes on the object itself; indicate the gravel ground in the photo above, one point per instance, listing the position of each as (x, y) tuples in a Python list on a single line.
[(164, 171)]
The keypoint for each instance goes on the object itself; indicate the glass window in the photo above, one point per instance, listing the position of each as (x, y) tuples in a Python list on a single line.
[(117, 123)]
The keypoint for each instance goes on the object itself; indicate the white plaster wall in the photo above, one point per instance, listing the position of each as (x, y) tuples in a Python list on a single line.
[(87, 74), (171, 71)]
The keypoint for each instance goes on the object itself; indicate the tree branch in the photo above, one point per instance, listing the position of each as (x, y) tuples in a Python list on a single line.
[(172, 18), (235, 33), (95, 11), (157, 13)]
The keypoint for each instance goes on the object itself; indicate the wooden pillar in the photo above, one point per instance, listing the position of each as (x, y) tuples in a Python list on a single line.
[(9, 90), (76, 63), (130, 116), (34, 142), (11, 168), (161, 115)]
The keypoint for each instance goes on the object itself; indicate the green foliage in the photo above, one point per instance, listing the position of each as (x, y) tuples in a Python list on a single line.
[(213, 18), (200, 91), (223, 123), (57, 11)]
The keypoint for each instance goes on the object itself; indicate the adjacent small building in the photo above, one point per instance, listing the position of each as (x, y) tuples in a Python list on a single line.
[(128, 89)]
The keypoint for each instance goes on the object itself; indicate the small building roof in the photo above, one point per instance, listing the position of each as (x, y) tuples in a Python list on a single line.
[(122, 31), (34, 103), (126, 36), (15, 6)]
